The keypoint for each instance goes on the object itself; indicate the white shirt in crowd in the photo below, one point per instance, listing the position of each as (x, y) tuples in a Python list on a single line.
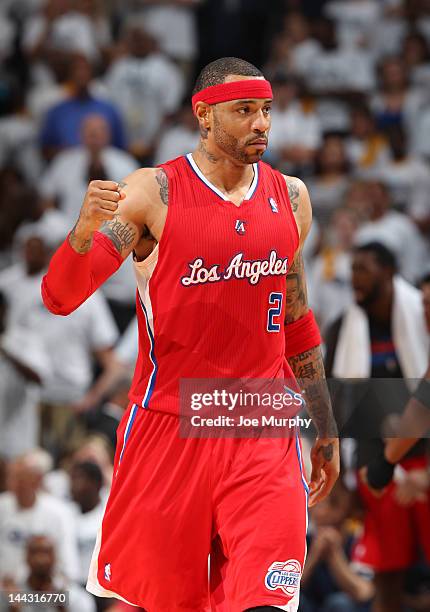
[(48, 516), (174, 28), (19, 397), (128, 345), (399, 234), (145, 91), (409, 184), (175, 141), (330, 290), (69, 341), (293, 126), (72, 31), (340, 69), (87, 526), (18, 145), (66, 178)]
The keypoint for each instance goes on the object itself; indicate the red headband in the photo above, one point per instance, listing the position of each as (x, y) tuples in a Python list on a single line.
[(236, 90)]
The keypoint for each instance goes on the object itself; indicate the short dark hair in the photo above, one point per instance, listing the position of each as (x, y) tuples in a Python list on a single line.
[(383, 255), (216, 72), (425, 280), (91, 471)]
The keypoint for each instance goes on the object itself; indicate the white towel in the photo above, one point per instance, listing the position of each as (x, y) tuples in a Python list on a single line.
[(410, 337)]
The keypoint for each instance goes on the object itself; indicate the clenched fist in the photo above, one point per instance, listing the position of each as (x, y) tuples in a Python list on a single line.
[(100, 204)]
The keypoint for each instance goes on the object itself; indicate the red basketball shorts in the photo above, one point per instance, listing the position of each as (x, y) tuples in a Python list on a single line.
[(174, 502), (393, 535)]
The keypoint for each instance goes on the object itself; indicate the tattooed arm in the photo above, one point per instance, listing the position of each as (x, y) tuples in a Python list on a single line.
[(308, 366), (114, 219)]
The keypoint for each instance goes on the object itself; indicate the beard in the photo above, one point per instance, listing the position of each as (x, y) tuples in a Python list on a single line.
[(232, 146), (370, 298)]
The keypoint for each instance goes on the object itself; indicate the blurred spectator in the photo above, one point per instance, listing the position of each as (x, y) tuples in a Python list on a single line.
[(366, 147), (301, 45), (332, 581), (336, 70), (407, 176), (354, 20), (70, 342), (95, 448), (42, 577), (25, 511), (382, 336), (23, 367), (62, 123), (67, 25), (86, 480), (172, 24), (296, 132), (357, 198), (180, 138), (18, 203), (65, 182), (146, 87), (66, 179), (395, 230), (330, 276), (19, 139), (106, 418), (416, 55), (395, 102), (328, 187)]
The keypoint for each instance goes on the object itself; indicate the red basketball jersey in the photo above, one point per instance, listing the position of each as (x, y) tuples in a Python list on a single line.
[(211, 296)]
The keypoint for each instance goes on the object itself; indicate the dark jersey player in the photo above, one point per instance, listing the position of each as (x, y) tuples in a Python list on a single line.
[(215, 235)]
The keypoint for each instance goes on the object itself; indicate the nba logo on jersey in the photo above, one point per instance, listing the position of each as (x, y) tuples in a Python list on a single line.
[(284, 575), (273, 205), (240, 227), (108, 572)]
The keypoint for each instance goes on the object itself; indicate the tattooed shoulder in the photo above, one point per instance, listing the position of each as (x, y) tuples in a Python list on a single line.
[(122, 235), (293, 192), (163, 182)]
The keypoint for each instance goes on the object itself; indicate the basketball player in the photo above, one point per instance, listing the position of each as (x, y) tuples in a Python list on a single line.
[(215, 235)]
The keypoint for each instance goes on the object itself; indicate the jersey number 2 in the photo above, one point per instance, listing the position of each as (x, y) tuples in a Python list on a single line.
[(275, 311)]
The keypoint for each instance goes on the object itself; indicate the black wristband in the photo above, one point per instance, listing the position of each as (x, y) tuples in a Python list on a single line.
[(379, 472), (422, 394)]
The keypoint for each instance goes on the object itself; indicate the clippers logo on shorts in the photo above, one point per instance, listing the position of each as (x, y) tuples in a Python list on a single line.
[(284, 575), (273, 205), (238, 268), (108, 572), (240, 227)]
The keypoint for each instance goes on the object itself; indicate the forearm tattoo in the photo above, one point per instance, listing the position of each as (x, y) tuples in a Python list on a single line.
[(122, 235), (163, 181), (308, 368), (80, 245)]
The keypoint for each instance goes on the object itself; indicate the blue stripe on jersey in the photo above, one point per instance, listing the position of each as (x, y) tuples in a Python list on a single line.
[(128, 428), (151, 383)]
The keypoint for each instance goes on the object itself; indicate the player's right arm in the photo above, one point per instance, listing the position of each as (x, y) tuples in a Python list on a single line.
[(114, 220)]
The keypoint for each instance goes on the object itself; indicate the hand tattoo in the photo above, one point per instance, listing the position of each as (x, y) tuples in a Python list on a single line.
[(327, 452)]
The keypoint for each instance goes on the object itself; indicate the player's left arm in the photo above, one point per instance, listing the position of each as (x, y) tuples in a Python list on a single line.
[(304, 355)]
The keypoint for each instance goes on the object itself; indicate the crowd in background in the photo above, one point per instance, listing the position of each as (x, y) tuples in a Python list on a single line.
[(94, 89)]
